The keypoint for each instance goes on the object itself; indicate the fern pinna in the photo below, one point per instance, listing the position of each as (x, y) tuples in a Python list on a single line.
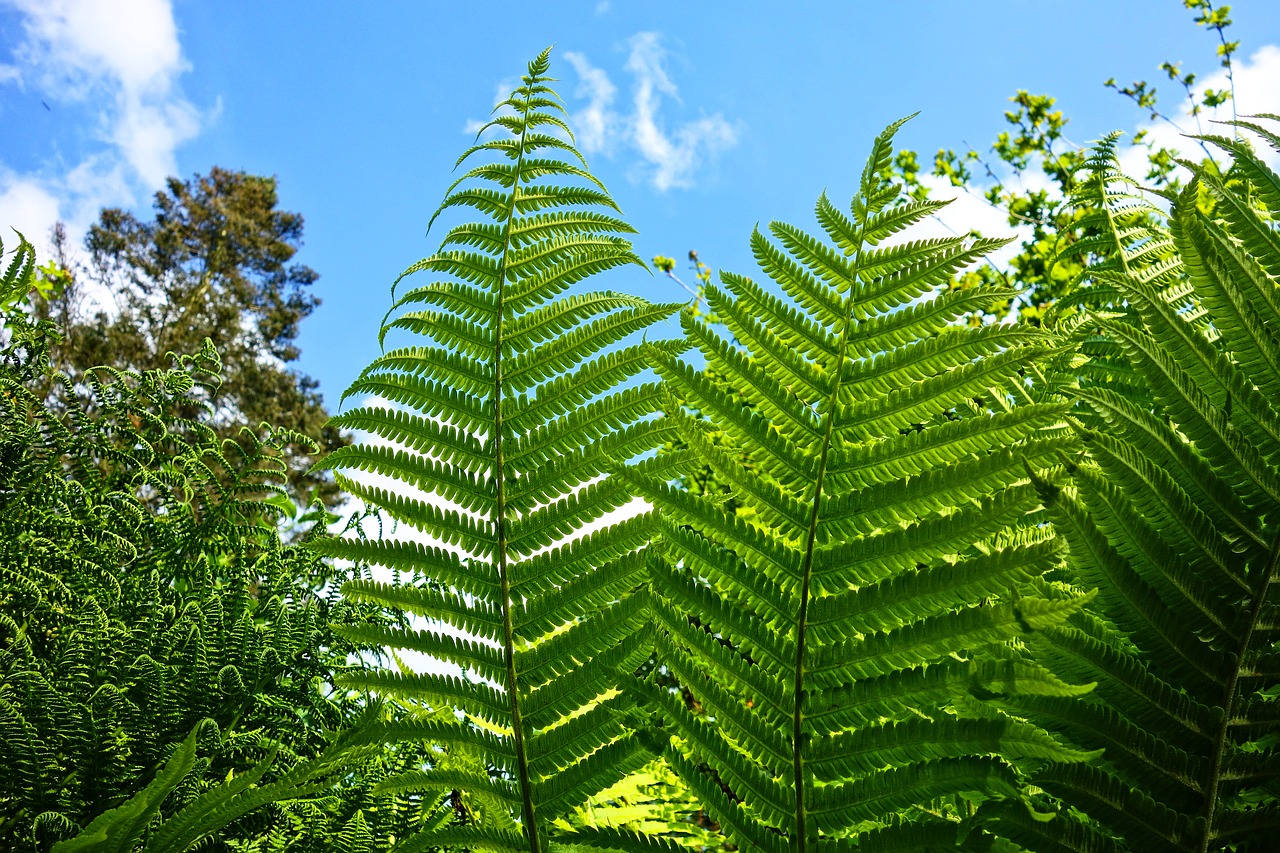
[(840, 632), (1175, 520), (503, 433)]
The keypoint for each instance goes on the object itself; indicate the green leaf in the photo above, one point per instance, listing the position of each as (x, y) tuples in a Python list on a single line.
[(831, 633), (502, 441)]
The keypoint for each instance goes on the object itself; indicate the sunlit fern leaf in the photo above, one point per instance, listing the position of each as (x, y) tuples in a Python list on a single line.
[(1119, 233), (1120, 227), (654, 804), (502, 430), (1174, 519), (18, 277), (831, 635)]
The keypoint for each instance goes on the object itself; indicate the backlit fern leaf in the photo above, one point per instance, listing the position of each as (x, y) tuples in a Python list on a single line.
[(1175, 520), (1120, 235), (833, 634), (504, 425)]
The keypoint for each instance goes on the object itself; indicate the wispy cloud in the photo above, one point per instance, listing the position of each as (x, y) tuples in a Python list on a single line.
[(120, 62), (668, 159), (674, 157), (597, 121)]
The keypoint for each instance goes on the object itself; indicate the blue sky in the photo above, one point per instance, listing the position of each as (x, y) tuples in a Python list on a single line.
[(702, 118)]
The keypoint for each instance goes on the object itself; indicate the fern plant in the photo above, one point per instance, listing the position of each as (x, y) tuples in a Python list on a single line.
[(145, 590), (132, 826), (504, 426), (19, 276), (841, 633), (1174, 518)]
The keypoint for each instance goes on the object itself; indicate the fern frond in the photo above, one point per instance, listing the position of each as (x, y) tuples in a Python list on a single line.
[(1174, 519), (836, 629), (501, 438), (19, 275)]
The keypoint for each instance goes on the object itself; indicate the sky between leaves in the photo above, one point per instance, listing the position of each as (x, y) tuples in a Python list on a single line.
[(702, 118)]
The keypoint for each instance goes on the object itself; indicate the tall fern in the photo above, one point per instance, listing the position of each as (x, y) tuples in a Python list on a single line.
[(839, 635), (1175, 519), (505, 425)]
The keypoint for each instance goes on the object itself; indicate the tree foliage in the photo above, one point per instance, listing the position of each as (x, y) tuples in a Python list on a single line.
[(147, 598), (214, 262)]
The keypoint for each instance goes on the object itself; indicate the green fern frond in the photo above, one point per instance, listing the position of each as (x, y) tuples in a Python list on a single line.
[(133, 825), (1174, 519), (500, 437), (19, 275), (832, 635)]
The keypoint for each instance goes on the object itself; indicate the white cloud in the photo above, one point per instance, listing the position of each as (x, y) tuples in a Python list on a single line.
[(668, 159), (674, 158), (119, 62), (24, 203), (595, 124)]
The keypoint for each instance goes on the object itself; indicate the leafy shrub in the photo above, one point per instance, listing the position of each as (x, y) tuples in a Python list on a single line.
[(145, 595)]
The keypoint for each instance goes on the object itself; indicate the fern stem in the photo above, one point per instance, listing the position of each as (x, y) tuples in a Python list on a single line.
[(500, 510), (1115, 231), (798, 744), (1213, 786)]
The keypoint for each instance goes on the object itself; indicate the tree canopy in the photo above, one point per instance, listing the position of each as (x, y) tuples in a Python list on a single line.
[(215, 261)]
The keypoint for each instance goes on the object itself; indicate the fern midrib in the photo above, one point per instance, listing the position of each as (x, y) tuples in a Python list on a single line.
[(797, 736), (1114, 230), (500, 510), (1213, 785)]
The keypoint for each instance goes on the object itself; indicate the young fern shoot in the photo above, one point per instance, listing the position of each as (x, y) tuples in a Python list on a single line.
[(512, 413)]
